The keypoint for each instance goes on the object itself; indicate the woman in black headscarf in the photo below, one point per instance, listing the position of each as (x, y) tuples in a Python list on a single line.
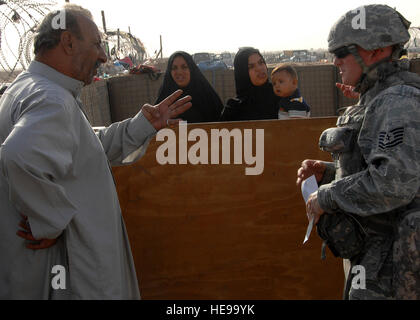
[(255, 99), (183, 73)]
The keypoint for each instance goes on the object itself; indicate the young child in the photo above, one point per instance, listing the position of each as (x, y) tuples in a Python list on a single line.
[(291, 103)]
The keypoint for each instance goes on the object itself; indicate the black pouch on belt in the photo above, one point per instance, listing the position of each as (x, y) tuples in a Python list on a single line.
[(342, 233)]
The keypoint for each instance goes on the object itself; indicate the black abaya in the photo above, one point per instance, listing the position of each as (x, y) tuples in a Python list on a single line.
[(251, 102), (206, 104)]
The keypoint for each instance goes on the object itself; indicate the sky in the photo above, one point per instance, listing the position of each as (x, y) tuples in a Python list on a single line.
[(225, 25)]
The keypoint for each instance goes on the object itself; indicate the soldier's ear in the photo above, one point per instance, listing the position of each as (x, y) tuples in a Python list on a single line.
[(377, 52), (381, 53), (371, 56)]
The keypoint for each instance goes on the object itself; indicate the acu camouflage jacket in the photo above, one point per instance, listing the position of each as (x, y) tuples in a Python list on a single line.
[(389, 142)]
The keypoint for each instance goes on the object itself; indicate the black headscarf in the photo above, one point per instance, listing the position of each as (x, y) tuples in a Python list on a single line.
[(251, 102), (206, 104)]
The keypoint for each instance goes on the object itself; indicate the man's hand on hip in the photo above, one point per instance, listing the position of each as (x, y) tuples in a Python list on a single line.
[(26, 234)]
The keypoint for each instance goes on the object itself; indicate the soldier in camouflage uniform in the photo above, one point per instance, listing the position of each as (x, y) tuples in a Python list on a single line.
[(375, 177)]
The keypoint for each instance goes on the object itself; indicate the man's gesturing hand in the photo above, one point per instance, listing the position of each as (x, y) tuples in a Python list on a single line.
[(163, 114)]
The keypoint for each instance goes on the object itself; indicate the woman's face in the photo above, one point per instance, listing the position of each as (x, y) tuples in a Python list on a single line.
[(257, 70), (180, 72)]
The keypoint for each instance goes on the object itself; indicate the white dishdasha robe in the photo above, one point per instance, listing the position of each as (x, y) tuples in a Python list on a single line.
[(55, 170)]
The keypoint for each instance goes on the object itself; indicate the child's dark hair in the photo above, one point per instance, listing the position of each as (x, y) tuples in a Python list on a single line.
[(285, 67)]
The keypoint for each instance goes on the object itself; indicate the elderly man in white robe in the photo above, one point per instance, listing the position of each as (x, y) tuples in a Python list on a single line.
[(55, 177)]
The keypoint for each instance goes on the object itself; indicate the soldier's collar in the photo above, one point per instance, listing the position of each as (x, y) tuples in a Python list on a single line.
[(378, 72)]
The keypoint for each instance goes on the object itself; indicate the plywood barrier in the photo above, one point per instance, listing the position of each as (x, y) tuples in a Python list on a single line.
[(208, 231)]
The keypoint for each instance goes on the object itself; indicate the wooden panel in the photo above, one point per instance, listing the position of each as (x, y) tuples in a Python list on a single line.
[(212, 232)]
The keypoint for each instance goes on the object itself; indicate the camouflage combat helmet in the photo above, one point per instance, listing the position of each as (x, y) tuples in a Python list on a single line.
[(370, 27)]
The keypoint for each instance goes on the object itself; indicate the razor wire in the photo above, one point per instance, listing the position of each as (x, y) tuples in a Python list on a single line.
[(414, 37), (18, 22), (120, 44)]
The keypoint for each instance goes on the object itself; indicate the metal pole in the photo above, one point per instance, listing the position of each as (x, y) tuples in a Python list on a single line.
[(161, 53), (103, 20), (118, 39), (105, 32)]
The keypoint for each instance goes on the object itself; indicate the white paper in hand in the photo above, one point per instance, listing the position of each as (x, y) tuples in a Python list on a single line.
[(309, 230), (308, 187)]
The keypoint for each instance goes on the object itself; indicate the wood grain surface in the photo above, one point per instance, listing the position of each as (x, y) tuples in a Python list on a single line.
[(212, 232)]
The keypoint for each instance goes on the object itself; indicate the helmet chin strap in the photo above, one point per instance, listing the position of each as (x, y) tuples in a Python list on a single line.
[(366, 69)]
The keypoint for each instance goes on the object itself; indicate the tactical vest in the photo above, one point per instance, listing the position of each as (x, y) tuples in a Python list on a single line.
[(341, 142), (343, 232)]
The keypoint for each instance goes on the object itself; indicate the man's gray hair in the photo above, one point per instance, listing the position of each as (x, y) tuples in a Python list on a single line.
[(47, 36)]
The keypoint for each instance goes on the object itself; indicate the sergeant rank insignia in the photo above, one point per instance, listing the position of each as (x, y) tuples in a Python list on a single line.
[(390, 139)]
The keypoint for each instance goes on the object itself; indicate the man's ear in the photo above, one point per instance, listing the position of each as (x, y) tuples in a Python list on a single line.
[(67, 42)]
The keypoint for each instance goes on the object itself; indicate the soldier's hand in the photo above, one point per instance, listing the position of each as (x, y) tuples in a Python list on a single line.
[(313, 209), (308, 168), (26, 234)]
